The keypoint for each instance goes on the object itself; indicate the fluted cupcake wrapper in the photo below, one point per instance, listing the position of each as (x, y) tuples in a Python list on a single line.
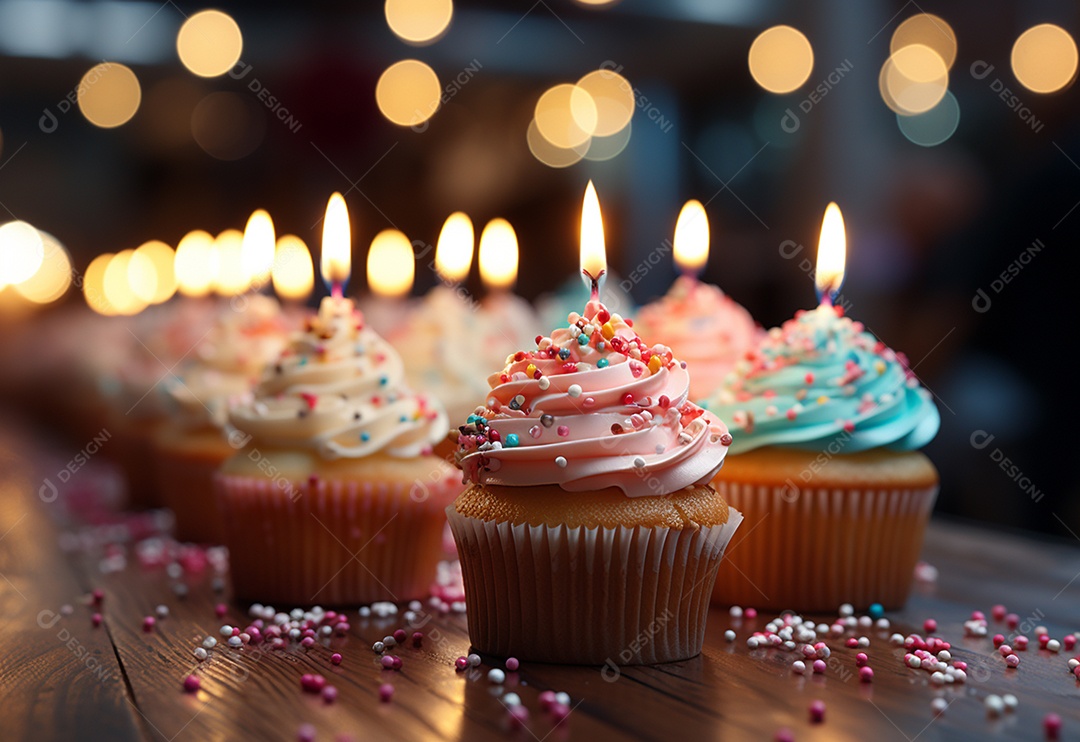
[(602, 596), (185, 484), (329, 542), (812, 549)]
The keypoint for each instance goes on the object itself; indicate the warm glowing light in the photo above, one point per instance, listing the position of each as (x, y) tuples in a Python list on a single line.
[(118, 289), (162, 257), (832, 249), (607, 148), (692, 237), (258, 248), (613, 96), (498, 254), (1044, 58), (293, 272), (598, 4), (781, 59), (929, 30), (94, 285), (336, 261), (209, 43), (141, 276), (933, 127), (419, 22), (21, 252), (391, 266), (454, 251), (593, 251), (109, 95), (195, 264), (53, 276), (549, 154), (232, 273), (913, 80), (408, 92), (566, 115)]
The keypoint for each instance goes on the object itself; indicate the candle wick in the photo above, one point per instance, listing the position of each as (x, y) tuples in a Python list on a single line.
[(336, 290), (594, 282)]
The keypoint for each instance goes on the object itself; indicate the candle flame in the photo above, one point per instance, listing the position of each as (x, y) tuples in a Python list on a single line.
[(336, 262), (257, 250), (195, 264), (593, 252), (233, 273), (692, 237), (391, 266), (293, 273), (832, 249), (454, 251), (498, 254)]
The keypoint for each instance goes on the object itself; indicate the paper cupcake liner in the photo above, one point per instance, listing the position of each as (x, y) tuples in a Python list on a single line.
[(814, 549), (185, 484), (332, 542), (620, 596)]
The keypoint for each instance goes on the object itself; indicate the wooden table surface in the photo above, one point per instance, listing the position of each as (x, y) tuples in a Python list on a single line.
[(62, 678)]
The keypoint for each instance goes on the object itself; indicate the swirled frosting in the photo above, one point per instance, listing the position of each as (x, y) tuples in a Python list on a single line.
[(592, 407), (704, 327), (822, 380), (338, 388), (229, 361)]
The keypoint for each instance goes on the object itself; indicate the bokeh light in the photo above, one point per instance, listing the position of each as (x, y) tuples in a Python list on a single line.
[(1044, 58), (209, 43), (781, 59), (232, 276), (419, 22), (454, 250), (498, 255), (21, 252), (109, 95), (53, 276), (913, 80), (929, 30), (933, 127), (408, 92), (259, 247), (119, 291), (391, 266), (613, 96), (162, 257), (548, 153), (606, 148), (94, 285), (196, 263), (141, 276), (293, 273), (566, 115)]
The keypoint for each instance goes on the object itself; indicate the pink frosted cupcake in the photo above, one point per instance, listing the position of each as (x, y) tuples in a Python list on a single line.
[(335, 497)]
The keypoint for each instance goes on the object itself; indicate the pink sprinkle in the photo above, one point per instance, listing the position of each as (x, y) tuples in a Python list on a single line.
[(148, 623), (306, 733), (512, 664), (819, 666), (1012, 620), (546, 700), (978, 616), (1012, 660), (866, 674), (399, 636), (397, 662), (97, 596), (236, 631), (220, 610), (335, 658), (386, 692), (1044, 639), (809, 651), (518, 716), (1021, 643), (861, 659), (750, 613), (559, 712), (1005, 650), (1070, 641), (563, 431), (387, 661), (998, 612), (95, 620), (783, 735), (418, 639), (1052, 726), (817, 712), (191, 683), (960, 665), (307, 642), (329, 694), (664, 401), (851, 642), (929, 626), (999, 639), (462, 663)]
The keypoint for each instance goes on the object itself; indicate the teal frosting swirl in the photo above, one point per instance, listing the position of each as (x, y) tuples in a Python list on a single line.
[(821, 380)]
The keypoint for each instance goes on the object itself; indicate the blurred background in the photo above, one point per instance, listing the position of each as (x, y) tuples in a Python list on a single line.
[(947, 132)]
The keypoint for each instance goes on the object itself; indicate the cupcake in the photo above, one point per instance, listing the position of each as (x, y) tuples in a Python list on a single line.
[(827, 422), (334, 497), (191, 446), (704, 327), (588, 532)]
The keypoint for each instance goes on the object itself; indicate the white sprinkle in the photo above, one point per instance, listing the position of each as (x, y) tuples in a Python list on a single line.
[(1073, 664), (960, 676), (200, 654), (994, 705), (326, 630), (865, 622), (235, 641), (883, 624), (415, 605), (915, 662), (897, 640), (574, 390), (209, 642), (944, 655), (639, 462), (752, 642), (1053, 645), (295, 614), (364, 611), (387, 640), (736, 611), (255, 610), (822, 628), (281, 618), (162, 611), (1010, 701), (543, 382), (864, 642), (295, 634), (1040, 630), (938, 705), (729, 635), (789, 646), (225, 630), (846, 610), (378, 647), (798, 667), (560, 461), (174, 571), (511, 699), (937, 678), (496, 676), (562, 697), (474, 660)]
